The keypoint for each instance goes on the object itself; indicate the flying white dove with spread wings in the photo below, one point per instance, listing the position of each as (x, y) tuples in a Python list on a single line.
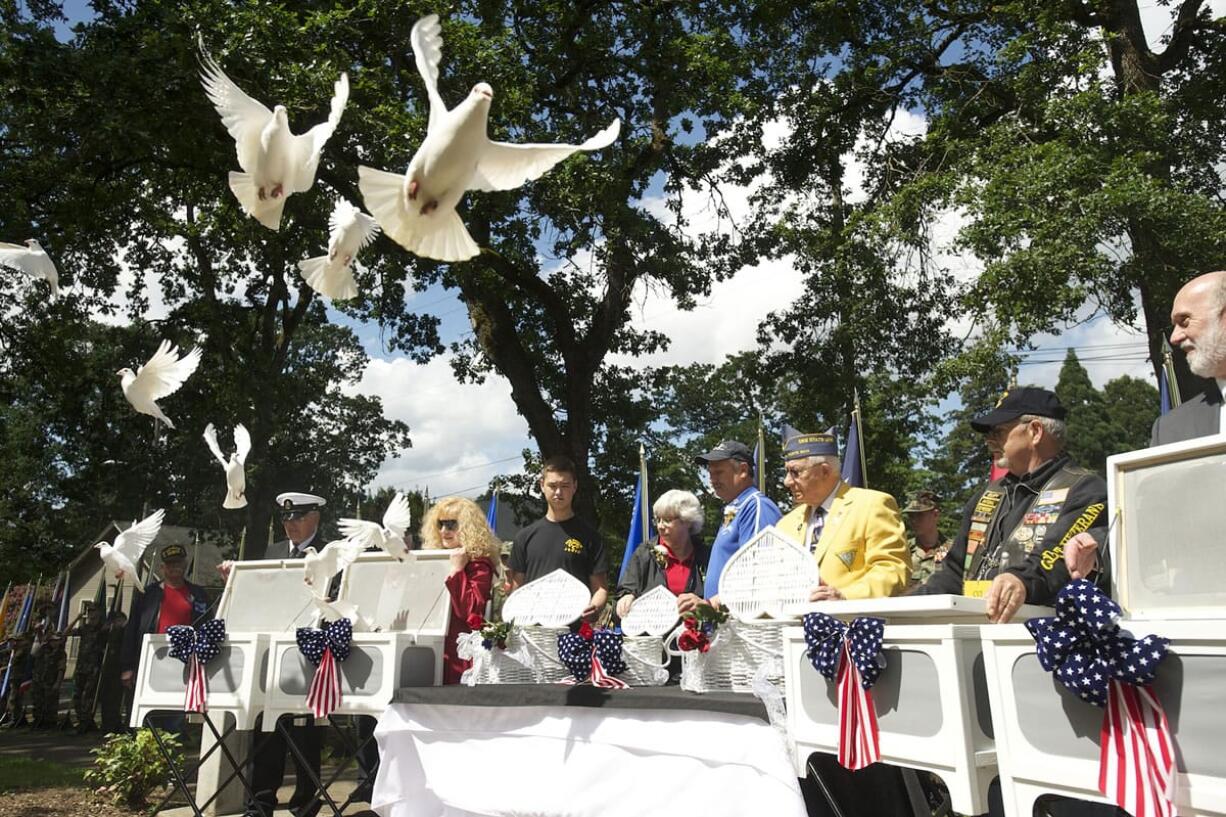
[(319, 568), (275, 161), (236, 478), (123, 557), (160, 377), (349, 231), (341, 608), (33, 260), (417, 210), (390, 535)]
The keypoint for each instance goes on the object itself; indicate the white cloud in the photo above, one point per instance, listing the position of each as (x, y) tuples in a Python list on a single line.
[(460, 432)]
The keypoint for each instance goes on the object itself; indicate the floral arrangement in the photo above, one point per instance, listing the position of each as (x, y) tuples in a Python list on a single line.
[(660, 554), (492, 632), (700, 625)]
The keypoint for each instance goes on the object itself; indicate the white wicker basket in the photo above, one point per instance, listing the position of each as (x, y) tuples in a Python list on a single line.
[(646, 664), (740, 652), (531, 657)]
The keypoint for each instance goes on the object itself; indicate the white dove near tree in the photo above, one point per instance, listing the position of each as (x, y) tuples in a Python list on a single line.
[(124, 556), (160, 377), (417, 210), (236, 478), (320, 567), (349, 230), (389, 536), (275, 161), (33, 260)]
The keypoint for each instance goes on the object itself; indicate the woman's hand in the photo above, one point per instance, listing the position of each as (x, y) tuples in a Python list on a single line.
[(459, 559), (688, 602), (623, 605)]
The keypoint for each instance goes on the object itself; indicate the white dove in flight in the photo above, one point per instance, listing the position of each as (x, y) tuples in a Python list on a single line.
[(417, 210), (33, 260), (236, 478), (397, 520), (349, 230), (160, 377), (123, 557), (342, 608), (275, 161), (319, 568)]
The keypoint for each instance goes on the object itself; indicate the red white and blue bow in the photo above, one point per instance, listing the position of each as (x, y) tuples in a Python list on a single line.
[(195, 648), (593, 655), (1082, 644), (325, 647), (850, 655)]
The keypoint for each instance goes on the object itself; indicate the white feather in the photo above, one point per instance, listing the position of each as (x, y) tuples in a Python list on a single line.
[(162, 376), (389, 536), (32, 260), (124, 556), (319, 568)]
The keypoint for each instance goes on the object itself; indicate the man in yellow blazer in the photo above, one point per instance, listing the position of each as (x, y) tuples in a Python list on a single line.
[(856, 535)]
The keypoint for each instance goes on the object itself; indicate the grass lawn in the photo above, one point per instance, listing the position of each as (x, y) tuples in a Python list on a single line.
[(17, 773)]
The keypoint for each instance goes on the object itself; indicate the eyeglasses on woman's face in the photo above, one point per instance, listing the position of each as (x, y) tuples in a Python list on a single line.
[(449, 524)]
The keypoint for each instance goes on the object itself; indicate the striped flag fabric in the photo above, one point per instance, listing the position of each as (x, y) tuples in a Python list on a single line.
[(197, 689), (859, 743), (1136, 768), (324, 696)]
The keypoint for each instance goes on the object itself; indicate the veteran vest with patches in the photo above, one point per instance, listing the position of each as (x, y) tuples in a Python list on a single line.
[(982, 561)]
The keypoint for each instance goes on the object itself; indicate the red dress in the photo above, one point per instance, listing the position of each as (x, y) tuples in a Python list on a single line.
[(470, 590)]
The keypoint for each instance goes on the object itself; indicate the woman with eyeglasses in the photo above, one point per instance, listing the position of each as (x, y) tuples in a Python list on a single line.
[(677, 561), (458, 525)]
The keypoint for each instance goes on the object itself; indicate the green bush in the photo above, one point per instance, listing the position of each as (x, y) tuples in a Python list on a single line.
[(128, 768)]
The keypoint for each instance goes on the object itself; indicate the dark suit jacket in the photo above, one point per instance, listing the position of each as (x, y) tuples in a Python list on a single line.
[(1198, 417), (146, 608)]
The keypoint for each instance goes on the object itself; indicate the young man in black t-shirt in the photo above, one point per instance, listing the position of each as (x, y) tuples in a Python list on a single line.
[(561, 539)]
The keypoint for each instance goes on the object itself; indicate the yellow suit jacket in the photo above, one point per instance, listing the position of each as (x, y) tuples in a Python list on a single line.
[(863, 549)]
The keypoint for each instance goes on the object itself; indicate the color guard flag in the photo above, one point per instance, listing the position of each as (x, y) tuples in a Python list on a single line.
[(641, 530)]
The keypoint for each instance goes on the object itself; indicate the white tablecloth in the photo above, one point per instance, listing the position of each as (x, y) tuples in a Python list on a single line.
[(455, 761)]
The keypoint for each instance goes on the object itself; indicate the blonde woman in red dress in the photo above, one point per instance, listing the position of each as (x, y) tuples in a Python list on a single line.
[(457, 524)]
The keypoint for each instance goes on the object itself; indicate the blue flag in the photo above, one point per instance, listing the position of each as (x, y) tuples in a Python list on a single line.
[(641, 529), (491, 515), (853, 470), (1164, 393), (27, 607)]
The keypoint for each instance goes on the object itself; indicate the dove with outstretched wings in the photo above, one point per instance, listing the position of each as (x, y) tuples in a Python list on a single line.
[(123, 557)]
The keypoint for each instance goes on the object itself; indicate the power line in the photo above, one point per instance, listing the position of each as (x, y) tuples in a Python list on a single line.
[(407, 480)]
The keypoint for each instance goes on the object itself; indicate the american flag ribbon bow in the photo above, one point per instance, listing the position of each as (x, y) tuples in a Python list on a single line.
[(324, 648), (195, 648), (851, 656), (594, 655), (1082, 644)]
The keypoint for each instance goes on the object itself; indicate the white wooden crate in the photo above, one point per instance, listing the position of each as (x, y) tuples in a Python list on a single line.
[(1048, 739), (261, 598), (408, 604)]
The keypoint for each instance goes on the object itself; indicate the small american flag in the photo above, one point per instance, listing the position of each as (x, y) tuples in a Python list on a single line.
[(858, 734), (324, 696), (197, 688), (851, 656)]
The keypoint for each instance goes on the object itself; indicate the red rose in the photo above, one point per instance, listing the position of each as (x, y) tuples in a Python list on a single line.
[(586, 632), (475, 622), (692, 640), (704, 644), (691, 624)]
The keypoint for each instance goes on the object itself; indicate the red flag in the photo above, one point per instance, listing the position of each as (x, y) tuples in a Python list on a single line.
[(324, 696), (1136, 768), (859, 744)]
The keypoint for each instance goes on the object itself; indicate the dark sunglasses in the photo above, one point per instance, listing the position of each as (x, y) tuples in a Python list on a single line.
[(449, 524), (290, 516)]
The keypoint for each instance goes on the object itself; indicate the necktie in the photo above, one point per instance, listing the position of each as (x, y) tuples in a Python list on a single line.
[(819, 523)]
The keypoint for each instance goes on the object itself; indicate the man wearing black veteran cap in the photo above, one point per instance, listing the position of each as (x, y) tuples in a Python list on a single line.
[(855, 534), (746, 511), (1010, 547)]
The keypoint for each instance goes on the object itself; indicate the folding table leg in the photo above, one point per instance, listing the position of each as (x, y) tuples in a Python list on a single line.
[(179, 783)]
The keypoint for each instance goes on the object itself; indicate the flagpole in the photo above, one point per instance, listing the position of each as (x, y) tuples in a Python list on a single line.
[(643, 493), (761, 463), (1172, 384), (858, 417)]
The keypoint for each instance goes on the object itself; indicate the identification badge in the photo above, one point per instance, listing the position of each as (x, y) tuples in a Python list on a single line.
[(1056, 495), (975, 589)]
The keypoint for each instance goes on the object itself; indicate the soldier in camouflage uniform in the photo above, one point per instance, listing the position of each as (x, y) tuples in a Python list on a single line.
[(18, 667), (925, 544), (89, 664), (49, 663)]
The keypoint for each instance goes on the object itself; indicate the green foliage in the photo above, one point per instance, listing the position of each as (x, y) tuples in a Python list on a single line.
[(17, 773), (129, 767), (1102, 423)]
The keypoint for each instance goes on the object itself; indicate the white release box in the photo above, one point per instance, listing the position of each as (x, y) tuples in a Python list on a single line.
[(1168, 512), (260, 598), (931, 699), (408, 607)]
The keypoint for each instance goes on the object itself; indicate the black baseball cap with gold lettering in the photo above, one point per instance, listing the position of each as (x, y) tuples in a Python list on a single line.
[(174, 553), (1017, 402)]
